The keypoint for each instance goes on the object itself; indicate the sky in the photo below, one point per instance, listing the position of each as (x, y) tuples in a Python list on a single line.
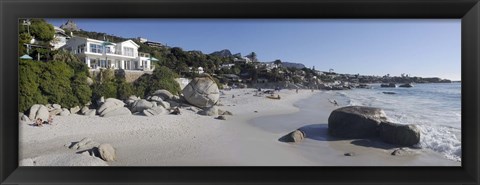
[(418, 47)]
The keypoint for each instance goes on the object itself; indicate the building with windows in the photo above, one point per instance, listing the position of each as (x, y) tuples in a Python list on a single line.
[(103, 54)]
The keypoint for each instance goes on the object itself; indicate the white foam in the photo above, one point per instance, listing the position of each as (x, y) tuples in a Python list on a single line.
[(442, 140)]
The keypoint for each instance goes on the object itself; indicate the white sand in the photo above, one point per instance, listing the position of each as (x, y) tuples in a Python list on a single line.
[(246, 138)]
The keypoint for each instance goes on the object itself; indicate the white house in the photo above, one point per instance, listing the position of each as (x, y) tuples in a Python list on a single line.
[(59, 38), (103, 54)]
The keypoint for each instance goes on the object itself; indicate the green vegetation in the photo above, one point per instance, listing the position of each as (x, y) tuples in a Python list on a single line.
[(162, 78), (38, 29), (51, 82)]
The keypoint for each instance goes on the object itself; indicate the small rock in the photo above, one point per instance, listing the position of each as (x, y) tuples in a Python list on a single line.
[(91, 112), (84, 110), (56, 106), (55, 112), (350, 154), (403, 152), (82, 144), (227, 113), (221, 118), (74, 110), (255, 111), (294, 137), (107, 152), (25, 118), (65, 113)]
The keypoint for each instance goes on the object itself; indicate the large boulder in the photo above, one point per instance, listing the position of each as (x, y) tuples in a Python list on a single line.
[(202, 92), (118, 112), (398, 134), (164, 94), (39, 111), (355, 122), (107, 152), (110, 105), (33, 111), (141, 105), (155, 111)]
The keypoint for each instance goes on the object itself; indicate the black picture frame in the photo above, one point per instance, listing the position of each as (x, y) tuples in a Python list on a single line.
[(466, 10)]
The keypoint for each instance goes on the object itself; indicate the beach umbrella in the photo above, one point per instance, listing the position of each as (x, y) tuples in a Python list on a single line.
[(26, 57), (153, 59)]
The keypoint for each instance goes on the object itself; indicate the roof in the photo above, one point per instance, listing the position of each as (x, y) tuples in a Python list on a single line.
[(131, 41)]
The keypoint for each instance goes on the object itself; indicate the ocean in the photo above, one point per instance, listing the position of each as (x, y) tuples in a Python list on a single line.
[(435, 108)]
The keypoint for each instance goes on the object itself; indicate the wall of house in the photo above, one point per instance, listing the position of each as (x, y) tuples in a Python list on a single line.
[(130, 76), (73, 43)]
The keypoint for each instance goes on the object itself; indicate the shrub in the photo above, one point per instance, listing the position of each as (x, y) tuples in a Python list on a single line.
[(162, 78), (55, 83), (28, 90), (124, 89), (106, 89)]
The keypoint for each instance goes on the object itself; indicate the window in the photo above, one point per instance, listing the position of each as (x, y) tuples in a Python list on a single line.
[(96, 48), (81, 48), (128, 51), (107, 50)]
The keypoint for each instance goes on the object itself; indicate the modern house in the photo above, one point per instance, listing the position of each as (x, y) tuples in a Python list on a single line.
[(103, 54), (150, 43)]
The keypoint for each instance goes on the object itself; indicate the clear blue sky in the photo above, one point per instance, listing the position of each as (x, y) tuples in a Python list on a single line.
[(424, 48)]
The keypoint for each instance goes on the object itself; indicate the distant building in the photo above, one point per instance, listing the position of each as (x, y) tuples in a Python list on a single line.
[(150, 43), (226, 66), (103, 54), (245, 60)]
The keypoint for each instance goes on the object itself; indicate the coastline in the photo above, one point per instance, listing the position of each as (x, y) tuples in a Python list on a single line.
[(194, 140)]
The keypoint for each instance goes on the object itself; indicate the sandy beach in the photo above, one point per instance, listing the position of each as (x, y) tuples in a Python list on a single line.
[(250, 137)]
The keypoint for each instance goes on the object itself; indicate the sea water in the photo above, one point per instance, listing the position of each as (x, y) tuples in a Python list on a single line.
[(435, 108)]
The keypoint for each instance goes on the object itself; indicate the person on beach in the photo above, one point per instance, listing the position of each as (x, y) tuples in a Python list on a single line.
[(176, 111), (50, 119), (335, 102), (38, 122)]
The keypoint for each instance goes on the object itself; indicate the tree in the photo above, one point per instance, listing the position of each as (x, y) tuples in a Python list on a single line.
[(252, 56), (41, 30), (277, 62)]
